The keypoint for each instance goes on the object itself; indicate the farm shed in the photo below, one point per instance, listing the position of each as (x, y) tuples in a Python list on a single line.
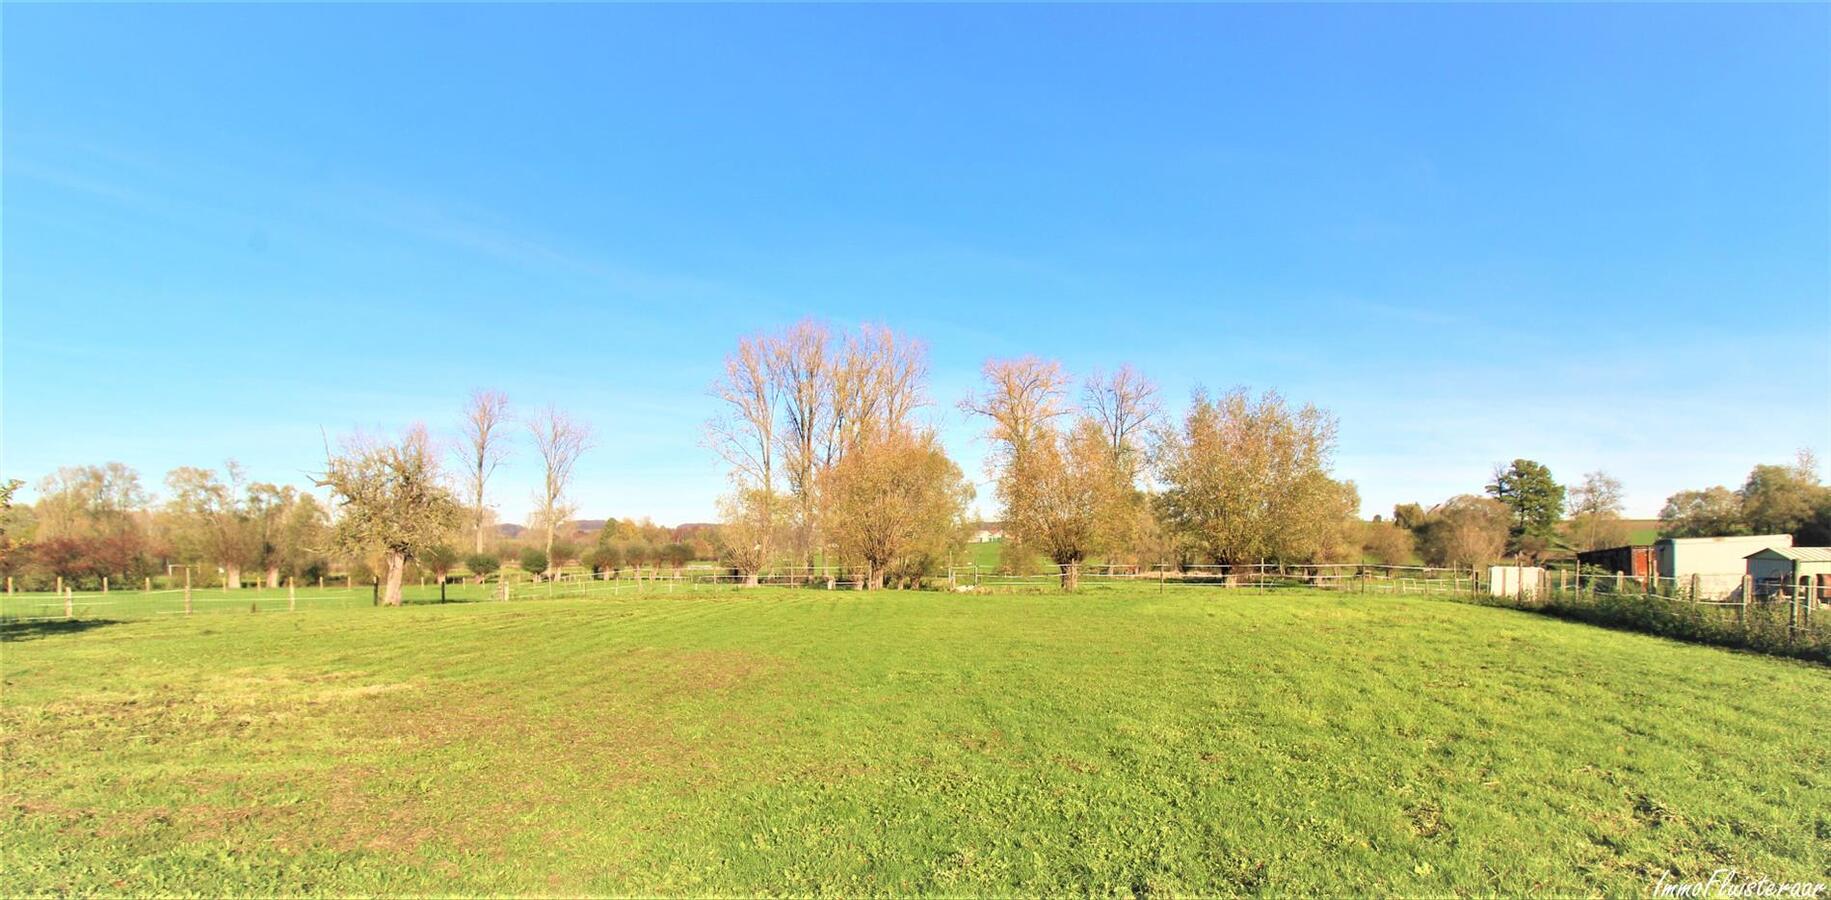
[(988, 531), (1516, 581), (1637, 561), (1718, 562), (1776, 566)]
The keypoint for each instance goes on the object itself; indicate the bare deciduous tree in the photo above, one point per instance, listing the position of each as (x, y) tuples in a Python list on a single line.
[(484, 448), (799, 365), (1125, 406), (793, 404), (1023, 398), (560, 442), (744, 431), (878, 381), (1595, 512)]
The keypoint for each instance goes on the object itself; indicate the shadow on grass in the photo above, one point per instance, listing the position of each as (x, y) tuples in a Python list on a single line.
[(44, 628), (434, 601)]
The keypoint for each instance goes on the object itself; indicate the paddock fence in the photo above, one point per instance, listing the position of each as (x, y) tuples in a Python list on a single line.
[(1772, 616)]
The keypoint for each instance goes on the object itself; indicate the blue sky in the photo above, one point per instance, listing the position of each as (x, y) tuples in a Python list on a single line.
[(1591, 235)]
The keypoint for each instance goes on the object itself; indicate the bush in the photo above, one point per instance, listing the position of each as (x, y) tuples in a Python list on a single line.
[(533, 560), (564, 552), (317, 568), (604, 558), (439, 560), (1763, 627), (483, 565), (676, 555)]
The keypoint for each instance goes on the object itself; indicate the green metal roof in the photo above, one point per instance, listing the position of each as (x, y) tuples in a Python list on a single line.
[(1798, 554)]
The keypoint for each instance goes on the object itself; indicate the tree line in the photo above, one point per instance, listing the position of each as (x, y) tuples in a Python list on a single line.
[(392, 505), (1523, 513), (831, 468), (827, 463)]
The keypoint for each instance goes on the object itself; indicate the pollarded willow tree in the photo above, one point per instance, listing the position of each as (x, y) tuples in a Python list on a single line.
[(1248, 480), (1066, 493), (391, 501), (1070, 498), (894, 506), (209, 520), (750, 519), (292, 531)]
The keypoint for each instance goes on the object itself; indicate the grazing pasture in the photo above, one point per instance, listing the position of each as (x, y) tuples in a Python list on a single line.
[(1116, 741)]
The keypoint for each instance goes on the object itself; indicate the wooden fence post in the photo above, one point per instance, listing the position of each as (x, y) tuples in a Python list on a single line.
[(149, 584), (69, 605), (60, 584), (292, 595), (9, 584), (187, 590), (104, 584)]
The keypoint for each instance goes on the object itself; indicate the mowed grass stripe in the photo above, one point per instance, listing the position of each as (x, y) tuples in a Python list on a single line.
[(814, 741)]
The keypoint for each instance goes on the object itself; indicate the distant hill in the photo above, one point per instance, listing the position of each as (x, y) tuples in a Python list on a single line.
[(510, 530)]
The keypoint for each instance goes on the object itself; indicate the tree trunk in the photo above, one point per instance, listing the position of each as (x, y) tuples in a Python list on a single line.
[(1071, 575), (232, 576), (552, 564), (273, 576), (391, 592), (750, 579)]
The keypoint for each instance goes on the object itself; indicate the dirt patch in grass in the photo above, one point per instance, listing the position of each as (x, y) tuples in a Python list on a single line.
[(680, 673)]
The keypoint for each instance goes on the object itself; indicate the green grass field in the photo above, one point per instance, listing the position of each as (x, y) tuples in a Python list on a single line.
[(800, 742), (1641, 531)]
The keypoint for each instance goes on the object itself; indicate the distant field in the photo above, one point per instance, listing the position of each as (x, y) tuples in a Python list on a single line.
[(985, 554), (1642, 531), (797, 742)]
